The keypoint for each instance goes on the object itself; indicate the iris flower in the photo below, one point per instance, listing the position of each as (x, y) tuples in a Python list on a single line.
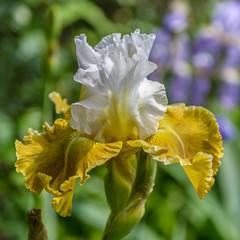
[(119, 112)]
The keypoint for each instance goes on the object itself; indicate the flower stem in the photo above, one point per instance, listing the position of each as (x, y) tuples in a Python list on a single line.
[(123, 219)]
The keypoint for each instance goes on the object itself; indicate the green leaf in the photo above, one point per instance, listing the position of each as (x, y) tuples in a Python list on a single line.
[(72, 11)]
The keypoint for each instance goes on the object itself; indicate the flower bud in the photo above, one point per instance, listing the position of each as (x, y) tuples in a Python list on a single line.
[(120, 224)]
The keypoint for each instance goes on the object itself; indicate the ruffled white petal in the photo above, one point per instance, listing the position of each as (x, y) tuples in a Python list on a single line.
[(140, 44), (85, 54), (121, 72), (79, 112), (143, 43), (108, 41), (117, 102), (88, 72), (151, 107), (92, 99)]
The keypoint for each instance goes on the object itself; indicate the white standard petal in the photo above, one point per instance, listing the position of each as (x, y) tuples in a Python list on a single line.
[(143, 43), (79, 112), (108, 41), (117, 101), (151, 107), (120, 72), (92, 120), (85, 54), (88, 77), (87, 114)]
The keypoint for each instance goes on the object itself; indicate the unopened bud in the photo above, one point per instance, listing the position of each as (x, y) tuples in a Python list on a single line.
[(121, 223)]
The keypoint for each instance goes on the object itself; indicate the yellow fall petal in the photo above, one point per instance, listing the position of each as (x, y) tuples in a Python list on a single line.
[(191, 137), (52, 160), (200, 173), (62, 203), (61, 105), (154, 150)]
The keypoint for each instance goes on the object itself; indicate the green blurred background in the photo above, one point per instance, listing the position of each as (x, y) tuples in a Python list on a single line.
[(37, 56)]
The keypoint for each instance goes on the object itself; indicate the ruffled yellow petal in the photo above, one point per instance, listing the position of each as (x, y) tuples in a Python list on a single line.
[(200, 173), (61, 105), (154, 150), (191, 137), (62, 203), (52, 160)]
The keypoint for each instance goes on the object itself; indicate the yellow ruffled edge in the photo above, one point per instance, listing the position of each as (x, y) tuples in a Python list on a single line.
[(61, 105), (200, 173), (215, 138), (174, 142), (62, 202), (40, 155), (206, 163)]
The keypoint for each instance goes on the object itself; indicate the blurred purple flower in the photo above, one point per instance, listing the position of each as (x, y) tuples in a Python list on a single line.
[(226, 16), (173, 52), (206, 52), (232, 57), (157, 75), (180, 88), (175, 22), (201, 87), (203, 61), (181, 82), (226, 128), (182, 48), (160, 53), (229, 94)]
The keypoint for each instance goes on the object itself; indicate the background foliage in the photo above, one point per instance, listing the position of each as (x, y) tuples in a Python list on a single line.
[(38, 56)]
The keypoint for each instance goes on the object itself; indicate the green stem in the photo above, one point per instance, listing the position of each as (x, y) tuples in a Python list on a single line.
[(122, 220), (52, 30)]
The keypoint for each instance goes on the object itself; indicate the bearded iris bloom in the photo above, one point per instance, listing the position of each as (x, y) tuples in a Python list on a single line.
[(120, 112)]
